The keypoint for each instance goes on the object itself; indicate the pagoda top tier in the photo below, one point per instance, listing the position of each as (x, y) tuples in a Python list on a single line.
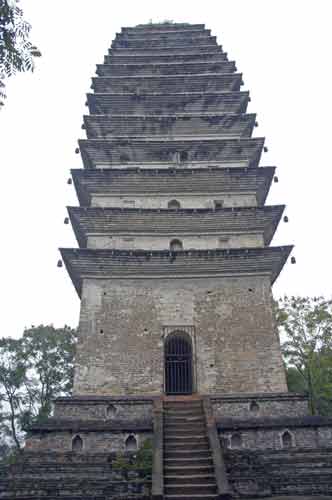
[(164, 26)]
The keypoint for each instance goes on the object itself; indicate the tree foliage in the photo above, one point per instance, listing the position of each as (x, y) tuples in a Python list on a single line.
[(306, 324), (140, 460), (34, 370), (17, 53)]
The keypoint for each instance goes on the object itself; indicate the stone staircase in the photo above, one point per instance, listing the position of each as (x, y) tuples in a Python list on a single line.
[(188, 463), (68, 476), (295, 473)]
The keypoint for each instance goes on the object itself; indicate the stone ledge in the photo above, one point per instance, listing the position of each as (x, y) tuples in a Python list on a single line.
[(88, 221), (83, 399), (118, 264), (69, 458), (102, 153), (276, 396), (272, 422), (61, 424)]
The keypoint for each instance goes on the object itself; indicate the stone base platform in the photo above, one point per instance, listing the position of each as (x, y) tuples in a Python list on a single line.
[(269, 446), (292, 473), (71, 476), (106, 423)]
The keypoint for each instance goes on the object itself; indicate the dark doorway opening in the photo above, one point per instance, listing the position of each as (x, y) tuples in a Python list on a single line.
[(178, 364)]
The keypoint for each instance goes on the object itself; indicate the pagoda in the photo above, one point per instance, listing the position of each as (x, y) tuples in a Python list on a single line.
[(177, 338)]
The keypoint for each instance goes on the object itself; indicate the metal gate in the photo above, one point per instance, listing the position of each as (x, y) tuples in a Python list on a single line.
[(178, 364)]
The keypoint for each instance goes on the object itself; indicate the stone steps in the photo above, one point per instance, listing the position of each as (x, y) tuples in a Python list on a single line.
[(182, 428), (191, 470), (81, 481), (201, 452), (59, 487), (174, 440), (179, 463), (181, 479), (190, 489), (188, 465), (35, 496), (183, 421), (190, 497), (290, 472)]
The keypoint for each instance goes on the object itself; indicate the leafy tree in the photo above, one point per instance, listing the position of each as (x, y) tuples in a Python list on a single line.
[(16, 51), (13, 371), (306, 324), (34, 370), (50, 354), (295, 381)]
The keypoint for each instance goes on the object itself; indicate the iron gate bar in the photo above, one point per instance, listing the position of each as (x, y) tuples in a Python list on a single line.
[(178, 363)]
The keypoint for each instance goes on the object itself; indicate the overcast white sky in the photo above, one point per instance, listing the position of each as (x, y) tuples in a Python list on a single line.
[(283, 48)]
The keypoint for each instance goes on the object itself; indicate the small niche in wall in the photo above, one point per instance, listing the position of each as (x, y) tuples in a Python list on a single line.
[(124, 158), (184, 156), (111, 411), (218, 204), (173, 204), (77, 444), (223, 242), (129, 203), (254, 407), (131, 443), (175, 245), (236, 440), (287, 440)]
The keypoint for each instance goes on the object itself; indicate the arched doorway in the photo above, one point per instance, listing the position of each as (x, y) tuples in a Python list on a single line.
[(174, 204), (178, 364), (176, 246)]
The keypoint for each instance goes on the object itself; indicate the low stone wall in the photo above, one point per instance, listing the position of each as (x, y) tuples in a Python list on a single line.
[(92, 442), (301, 474), (275, 433), (107, 408), (59, 475), (245, 406)]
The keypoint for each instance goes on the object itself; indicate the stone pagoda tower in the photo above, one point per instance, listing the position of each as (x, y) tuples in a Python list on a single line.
[(174, 233), (177, 339)]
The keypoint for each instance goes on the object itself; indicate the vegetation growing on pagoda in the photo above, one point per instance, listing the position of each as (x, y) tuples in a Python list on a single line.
[(141, 460)]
